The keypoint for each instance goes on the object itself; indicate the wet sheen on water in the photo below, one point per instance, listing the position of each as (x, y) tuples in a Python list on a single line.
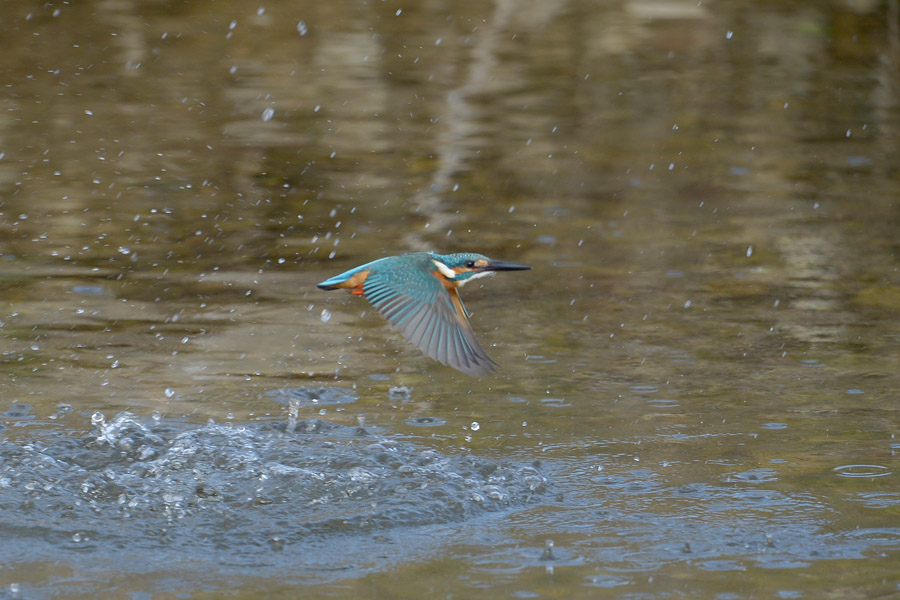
[(698, 380)]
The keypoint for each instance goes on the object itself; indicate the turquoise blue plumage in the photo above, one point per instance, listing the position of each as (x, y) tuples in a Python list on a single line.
[(417, 293)]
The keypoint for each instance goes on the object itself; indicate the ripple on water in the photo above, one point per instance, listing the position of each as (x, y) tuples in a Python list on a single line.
[(607, 581), (426, 421), (754, 476), (18, 412), (539, 359), (89, 290), (314, 395), (721, 565), (862, 471), (663, 402), (555, 402), (644, 389), (879, 500)]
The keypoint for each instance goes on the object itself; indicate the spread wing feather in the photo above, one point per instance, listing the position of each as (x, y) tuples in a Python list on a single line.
[(431, 317)]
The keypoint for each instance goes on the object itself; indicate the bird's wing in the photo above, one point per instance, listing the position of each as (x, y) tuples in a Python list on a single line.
[(431, 317)]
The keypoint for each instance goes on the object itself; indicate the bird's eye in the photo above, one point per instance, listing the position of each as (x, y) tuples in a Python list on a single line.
[(470, 264)]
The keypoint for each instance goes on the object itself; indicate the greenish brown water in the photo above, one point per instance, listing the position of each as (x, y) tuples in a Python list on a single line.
[(699, 385)]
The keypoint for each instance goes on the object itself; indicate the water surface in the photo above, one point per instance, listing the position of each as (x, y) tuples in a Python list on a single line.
[(698, 394)]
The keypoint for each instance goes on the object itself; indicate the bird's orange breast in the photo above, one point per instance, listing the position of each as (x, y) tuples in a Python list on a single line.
[(447, 283)]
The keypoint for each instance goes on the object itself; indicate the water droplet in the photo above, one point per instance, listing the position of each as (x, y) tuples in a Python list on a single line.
[(268, 114), (749, 251), (475, 426), (301, 28), (687, 303), (728, 35), (278, 543), (399, 392), (548, 551), (169, 392), (326, 315)]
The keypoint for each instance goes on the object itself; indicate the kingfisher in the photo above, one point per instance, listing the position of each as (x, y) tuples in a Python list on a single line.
[(418, 294)]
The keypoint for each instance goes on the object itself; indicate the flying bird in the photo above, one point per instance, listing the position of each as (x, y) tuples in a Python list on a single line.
[(418, 294)]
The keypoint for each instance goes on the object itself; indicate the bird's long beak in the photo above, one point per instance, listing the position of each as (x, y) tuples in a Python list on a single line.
[(501, 265)]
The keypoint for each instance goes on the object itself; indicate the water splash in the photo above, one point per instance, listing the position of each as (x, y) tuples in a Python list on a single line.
[(238, 492)]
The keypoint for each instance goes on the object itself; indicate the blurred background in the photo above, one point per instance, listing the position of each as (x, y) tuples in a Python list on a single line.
[(703, 360)]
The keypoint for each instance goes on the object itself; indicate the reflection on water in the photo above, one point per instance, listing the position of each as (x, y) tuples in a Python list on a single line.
[(703, 359)]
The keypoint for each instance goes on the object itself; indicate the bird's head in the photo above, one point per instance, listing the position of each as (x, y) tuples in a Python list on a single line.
[(463, 267)]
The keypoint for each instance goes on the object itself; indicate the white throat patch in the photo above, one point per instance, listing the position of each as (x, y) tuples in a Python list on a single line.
[(463, 282)]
